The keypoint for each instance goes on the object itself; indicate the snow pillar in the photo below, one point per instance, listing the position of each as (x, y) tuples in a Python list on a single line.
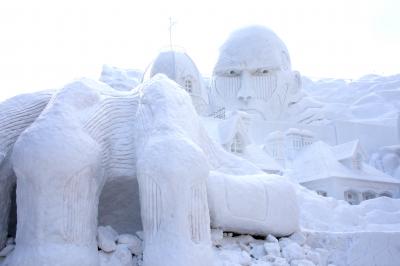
[(172, 175), (59, 179)]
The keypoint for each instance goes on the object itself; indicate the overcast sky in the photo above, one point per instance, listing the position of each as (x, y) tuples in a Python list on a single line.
[(45, 44)]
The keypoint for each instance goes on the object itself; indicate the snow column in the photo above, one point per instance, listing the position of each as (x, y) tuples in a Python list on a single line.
[(172, 176), (58, 182)]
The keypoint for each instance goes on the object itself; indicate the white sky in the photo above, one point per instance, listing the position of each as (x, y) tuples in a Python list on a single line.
[(45, 44)]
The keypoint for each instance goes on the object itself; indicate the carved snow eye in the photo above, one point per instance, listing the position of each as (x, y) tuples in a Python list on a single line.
[(232, 73), (261, 72)]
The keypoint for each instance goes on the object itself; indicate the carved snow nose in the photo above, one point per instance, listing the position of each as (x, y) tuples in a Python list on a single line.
[(245, 92)]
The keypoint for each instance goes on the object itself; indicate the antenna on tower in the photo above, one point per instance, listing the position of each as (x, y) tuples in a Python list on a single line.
[(171, 25)]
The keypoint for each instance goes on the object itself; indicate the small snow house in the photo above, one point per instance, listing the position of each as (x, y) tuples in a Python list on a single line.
[(178, 66), (340, 172), (232, 134)]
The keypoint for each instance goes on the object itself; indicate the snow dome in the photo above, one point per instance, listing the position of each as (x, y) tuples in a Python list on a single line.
[(178, 66)]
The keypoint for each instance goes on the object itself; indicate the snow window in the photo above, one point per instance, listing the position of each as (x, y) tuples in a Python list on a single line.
[(357, 162), (237, 145), (322, 193), (368, 195), (351, 197), (386, 194), (220, 113), (188, 85)]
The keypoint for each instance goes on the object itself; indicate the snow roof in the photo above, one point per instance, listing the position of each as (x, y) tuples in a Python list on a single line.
[(172, 63), (275, 135), (230, 127), (223, 131), (296, 131), (256, 155), (318, 161), (177, 65), (347, 150)]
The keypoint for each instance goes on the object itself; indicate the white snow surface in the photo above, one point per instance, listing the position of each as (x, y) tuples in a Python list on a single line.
[(387, 159), (371, 99), (120, 79), (327, 214)]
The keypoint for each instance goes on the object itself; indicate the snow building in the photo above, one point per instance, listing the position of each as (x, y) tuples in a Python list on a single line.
[(178, 66), (233, 135), (284, 147), (340, 172)]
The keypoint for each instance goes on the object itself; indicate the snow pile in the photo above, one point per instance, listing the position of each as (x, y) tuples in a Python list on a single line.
[(371, 99), (120, 79), (328, 214), (247, 251), (118, 250)]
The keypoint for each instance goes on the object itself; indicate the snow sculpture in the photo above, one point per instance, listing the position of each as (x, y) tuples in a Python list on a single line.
[(178, 66), (387, 159), (120, 79), (253, 74), (252, 204), (16, 115), (89, 134)]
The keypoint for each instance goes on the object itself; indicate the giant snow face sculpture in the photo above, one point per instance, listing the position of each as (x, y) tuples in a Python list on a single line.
[(64, 146), (253, 74)]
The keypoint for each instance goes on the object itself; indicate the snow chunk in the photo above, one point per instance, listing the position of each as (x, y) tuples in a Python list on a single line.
[(120, 257), (272, 248), (7, 250), (293, 251), (216, 236), (299, 238), (133, 243), (106, 237)]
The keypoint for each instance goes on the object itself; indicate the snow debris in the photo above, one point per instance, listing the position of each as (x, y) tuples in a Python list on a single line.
[(6, 250), (301, 263), (293, 251), (119, 250), (133, 243), (106, 237), (270, 238), (247, 250), (216, 236), (299, 238), (120, 257), (272, 248)]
